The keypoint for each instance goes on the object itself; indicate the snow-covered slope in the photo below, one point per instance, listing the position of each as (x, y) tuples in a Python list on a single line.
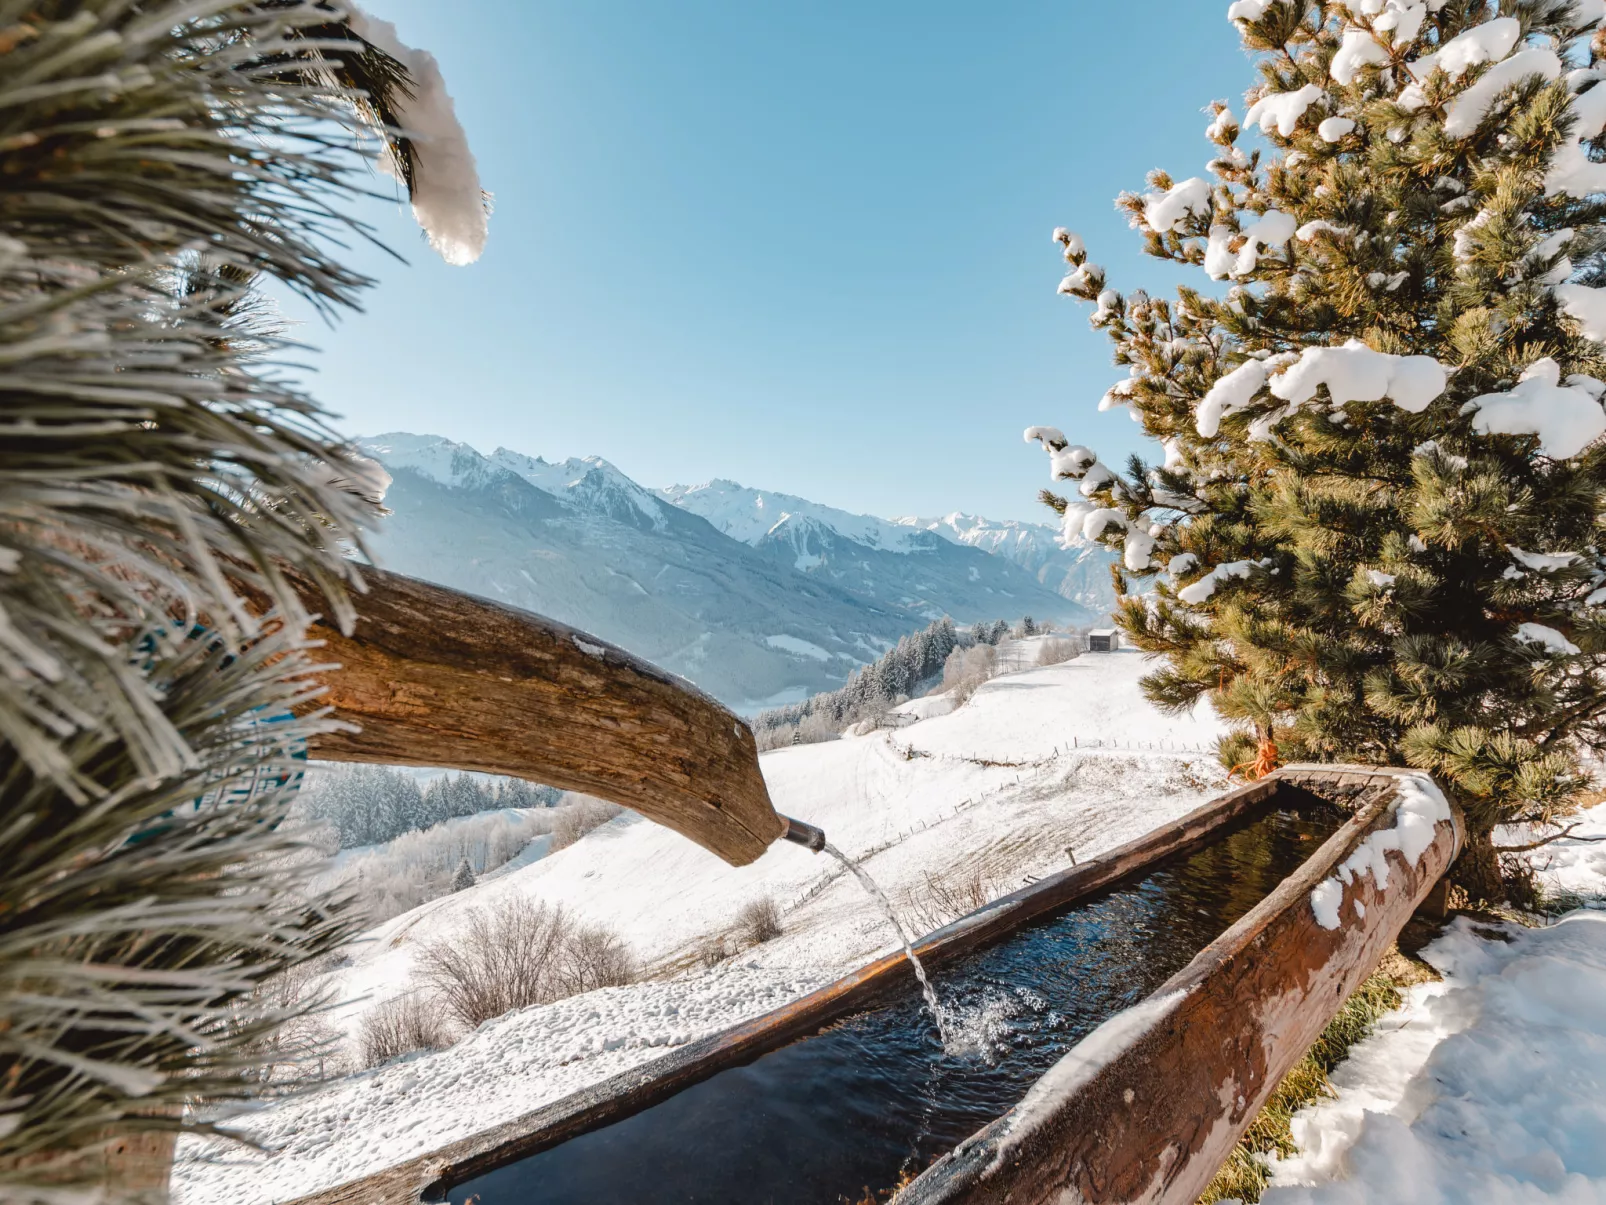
[(755, 625), (749, 515), (1037, 761)]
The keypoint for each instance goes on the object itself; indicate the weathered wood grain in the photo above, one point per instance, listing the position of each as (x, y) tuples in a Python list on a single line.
[(435, 677), (1147, 1112)]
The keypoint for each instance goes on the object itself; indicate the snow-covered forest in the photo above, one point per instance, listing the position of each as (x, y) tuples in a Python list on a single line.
[(367, 805), (940, 653)]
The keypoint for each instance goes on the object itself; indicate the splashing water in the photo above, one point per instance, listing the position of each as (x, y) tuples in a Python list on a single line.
[(933, 1005)]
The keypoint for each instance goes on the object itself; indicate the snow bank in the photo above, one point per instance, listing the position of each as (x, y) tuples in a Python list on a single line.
[(504, 1069), (1487, 1088)]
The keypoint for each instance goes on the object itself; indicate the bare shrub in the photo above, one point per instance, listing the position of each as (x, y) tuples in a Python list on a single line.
[(593, 957), (506, 958), (944, 897), (306, 1046), (577, 816), (966, 669), (400, 1026), (1057, 651), (519, 954), (759, 921)]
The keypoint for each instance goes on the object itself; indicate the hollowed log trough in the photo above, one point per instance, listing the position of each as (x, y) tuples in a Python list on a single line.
[(1143, 1110)]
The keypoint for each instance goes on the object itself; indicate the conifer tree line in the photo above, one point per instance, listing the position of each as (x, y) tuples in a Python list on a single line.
[(910, 666), (367, 805), (162, 479), (1378, 531)]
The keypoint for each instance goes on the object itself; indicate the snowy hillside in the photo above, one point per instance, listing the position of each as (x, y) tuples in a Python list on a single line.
[(754, 622), (1068, 756)]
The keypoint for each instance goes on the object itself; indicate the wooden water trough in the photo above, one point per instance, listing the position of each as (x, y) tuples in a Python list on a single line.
[(1145, 1108)]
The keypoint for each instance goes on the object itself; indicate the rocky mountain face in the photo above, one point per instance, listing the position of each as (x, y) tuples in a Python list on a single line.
[(755, 613)]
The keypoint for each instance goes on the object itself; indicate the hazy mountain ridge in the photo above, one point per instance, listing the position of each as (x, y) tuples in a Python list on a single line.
[(774, 617), (1079, 572)]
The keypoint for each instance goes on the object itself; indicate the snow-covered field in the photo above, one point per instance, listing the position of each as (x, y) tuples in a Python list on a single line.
[(1489, 1086), (1038, 761)]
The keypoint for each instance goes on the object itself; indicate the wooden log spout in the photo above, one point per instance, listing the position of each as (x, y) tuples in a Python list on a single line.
[(435, 677)]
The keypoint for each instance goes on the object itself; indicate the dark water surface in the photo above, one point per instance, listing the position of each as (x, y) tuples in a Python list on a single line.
[(847, 1111)]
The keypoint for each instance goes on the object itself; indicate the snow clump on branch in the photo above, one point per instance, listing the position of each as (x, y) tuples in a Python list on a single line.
[(1162, 211), (447, 199), (1566, 418), (1281, 111), (1356, 373)]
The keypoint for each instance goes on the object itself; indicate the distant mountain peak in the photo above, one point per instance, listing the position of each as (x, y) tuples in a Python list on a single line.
[(720, 582)]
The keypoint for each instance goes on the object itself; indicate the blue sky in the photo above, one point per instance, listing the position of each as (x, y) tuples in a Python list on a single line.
[(801, 245)]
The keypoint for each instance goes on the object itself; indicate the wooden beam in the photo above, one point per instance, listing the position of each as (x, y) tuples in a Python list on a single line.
[(435, 677), (1146, 1108)]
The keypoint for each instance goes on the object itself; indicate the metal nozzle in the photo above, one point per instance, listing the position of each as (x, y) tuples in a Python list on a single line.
[(803, 834)]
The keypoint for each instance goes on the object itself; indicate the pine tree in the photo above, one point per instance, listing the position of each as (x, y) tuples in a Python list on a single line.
[(1378, 530), (463, 877), (159, 479)]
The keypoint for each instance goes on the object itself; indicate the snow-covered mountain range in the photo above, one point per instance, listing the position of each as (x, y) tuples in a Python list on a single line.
[(759, 598), (1080, 573)]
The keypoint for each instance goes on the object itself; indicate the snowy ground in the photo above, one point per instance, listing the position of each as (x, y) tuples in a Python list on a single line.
[(1489, 1086), (1037, 761)]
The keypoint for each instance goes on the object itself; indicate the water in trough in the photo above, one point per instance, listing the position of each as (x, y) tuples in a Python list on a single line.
[(846, 1113)]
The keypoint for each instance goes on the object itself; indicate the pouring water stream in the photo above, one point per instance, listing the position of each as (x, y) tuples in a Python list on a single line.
[(933, 1005)]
